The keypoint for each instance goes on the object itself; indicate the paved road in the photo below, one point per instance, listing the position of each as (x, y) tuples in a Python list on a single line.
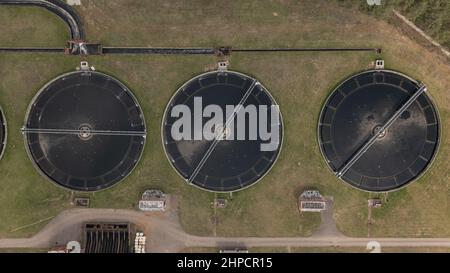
[(328, 225), (168, 236)]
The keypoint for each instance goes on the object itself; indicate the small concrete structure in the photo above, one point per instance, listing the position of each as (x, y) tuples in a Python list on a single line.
[(374, 203), (379, 64), (223, 66), (312, 201), (84, 66), (78, 47), (220, 203), (153, 200), (81, 201)]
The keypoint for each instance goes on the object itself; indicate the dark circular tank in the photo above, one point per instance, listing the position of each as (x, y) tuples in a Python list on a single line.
[(85, 131), (225, 162), (355, 113)]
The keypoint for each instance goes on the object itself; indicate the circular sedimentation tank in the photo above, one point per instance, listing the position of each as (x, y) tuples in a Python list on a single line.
[(354, 139), (230, 159), (85, 131)]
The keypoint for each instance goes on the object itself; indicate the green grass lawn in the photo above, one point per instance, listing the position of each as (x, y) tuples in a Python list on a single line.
[(300, 82), (31, 26)]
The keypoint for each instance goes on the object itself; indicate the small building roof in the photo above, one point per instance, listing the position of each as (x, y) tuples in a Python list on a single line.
[(152, 205), (312, 200), (153, 200)]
